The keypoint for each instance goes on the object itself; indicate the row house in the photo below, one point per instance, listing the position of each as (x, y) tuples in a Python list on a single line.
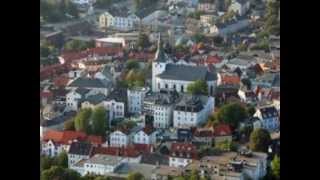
[(182, 154), (122, 137), (135, 99)]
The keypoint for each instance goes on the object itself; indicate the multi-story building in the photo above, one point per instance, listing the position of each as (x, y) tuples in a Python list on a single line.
[(74, 98), (122, 137), (240, 7), (192, 111), (269, 118), (135, 99), (145, 136), (79, 151), (206, 6), (182, 154), (160, 106), (118, 20), (116, 103)]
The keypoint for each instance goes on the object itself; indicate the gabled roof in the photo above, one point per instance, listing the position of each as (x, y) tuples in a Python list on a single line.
[(184, 150), (82, 91), (117, 151), (222, 130), (96, 98), (187, 73), (148, 130), (63, 137), (81, 148), (155, 159), (229, 79), (83, 82), (119, 95)]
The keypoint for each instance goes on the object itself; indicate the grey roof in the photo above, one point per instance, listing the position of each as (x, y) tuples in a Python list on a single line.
[(106, 71), (187, 73), (164, 97), (80, 148), (269, 112), (118, 12), (155, 159), (193, 103), (96, 98), (83, 82), (82, 91), (105, 159), (57, 120), (242, 1), (119, 95)]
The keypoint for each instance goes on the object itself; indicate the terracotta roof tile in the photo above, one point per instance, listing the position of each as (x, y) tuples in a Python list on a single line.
[(222, 130), (184, 150)]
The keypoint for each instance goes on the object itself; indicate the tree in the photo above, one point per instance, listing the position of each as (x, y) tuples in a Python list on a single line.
[(99, 121), (194, 175), (232, 114), (251, 110), (198, 87), (132, 64), (179, 178), (143, 40), (45, 162), (275, 167), (246, 82), (54, 172), (135, 176), (81, 121), (78, 45), (69, 125), (224, 145), (217, 40), (260, 140), (62, 160)]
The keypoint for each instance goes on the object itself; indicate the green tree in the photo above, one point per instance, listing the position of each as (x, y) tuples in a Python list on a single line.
[(132, 64), (62, 160), (199, 37), (99, 121), (78, 45), (143, 40), (70, 174), (260, 140), (69, 125), (232, 114), (194, 175), (54, 172), (45, 162), (81, 121), (179, 178), (103, 3), (275, 167), (251, 110), (198, 87), (135, 176)]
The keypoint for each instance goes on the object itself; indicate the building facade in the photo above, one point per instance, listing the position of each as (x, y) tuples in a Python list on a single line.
[(135, 99)]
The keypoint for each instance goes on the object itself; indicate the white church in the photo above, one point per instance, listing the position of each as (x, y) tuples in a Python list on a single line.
[(169, 75)]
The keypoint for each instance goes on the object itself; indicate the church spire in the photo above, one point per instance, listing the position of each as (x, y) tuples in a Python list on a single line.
[(160, 56)]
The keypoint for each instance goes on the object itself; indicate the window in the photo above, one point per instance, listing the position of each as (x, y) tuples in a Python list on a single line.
[(182, 89), (166, 86), (158, 85), (174, 87)]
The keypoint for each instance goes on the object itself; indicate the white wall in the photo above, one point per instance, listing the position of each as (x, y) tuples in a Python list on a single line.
[(179, 162), (118, 139)]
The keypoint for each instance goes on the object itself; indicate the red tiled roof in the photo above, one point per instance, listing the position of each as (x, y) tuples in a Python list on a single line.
[(95, 139), (213, 59), (203, 133), (61, 81), (46, 94), (143, 148), (230, 79), (117, 151), (64, 137), (141, 55), (222, 130), (185, 150)]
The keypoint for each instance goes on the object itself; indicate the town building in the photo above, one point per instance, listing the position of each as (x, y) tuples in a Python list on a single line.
[(182, 154), (241, 7), (192, 111), (118, 20), (269, 118), (79, 151), (146, 135), (136, 97), (122, 137)]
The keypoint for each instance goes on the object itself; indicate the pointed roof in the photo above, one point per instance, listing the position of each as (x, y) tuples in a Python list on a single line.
[(160, 55)]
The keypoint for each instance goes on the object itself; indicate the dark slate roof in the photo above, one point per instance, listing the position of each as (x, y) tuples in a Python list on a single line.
[(269, 112), (119, 95), (96, 99), (155, 159), (107, 72), (80, 148), (83, 82), (191, 103), (164, 97), (187, 73), (82, 91)]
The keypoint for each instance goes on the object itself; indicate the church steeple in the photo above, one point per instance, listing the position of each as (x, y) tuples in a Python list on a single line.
[(160, 55)]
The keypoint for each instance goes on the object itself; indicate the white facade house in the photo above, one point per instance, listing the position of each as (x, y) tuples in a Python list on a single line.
[(74, 97), (118, 21), (119, 139), (181, 154), (240, 7), (160, 105), (95, 85), (101, 164), (145, 136), (79, 151), (116, 104), (269, 118), (135, 99), (168, 75), (49, 148), (192, 111)]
